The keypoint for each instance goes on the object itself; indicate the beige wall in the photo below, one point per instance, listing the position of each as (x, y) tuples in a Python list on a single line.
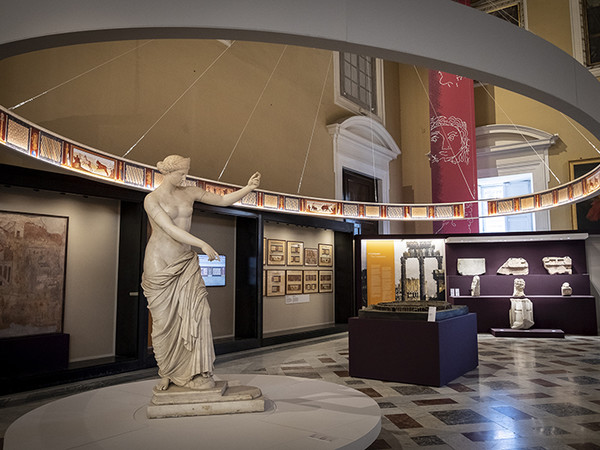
[(91, 269), (219, 231), (279, 316)]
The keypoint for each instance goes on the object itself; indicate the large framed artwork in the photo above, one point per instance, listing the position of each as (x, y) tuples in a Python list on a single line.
[(33, 250), (586, 214)]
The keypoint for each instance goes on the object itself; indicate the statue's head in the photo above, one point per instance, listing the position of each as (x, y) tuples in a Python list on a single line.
[(172, 163)]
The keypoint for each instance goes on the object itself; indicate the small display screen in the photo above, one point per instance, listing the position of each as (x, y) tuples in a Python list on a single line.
[(213, 272)]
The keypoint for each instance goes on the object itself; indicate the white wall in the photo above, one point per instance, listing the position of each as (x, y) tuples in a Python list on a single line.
[(91, 269), (279, 316)]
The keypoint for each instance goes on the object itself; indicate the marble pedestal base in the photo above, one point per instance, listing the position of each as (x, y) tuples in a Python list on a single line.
[(222, 399)]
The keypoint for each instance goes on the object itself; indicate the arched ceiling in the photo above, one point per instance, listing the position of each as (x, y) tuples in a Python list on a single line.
[(435, 33)]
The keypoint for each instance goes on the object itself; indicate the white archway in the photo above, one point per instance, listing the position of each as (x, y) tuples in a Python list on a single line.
[(363, 145)]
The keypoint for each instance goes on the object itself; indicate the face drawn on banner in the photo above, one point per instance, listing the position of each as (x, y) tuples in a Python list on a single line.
[(452, 133)]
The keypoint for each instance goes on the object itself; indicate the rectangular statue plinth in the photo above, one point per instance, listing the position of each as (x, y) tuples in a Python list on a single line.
[(222, 399), (410, 351), (531, 333)]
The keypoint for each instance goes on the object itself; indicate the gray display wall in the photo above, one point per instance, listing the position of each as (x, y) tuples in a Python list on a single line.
[(91, 266)]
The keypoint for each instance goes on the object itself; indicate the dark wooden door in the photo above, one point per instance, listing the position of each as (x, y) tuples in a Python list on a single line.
[(361, 188)]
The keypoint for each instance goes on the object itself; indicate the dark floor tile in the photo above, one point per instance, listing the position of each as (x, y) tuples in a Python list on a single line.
[(327, 360), (542, 382), (550, 431), (479, 375), (494, 366), (594, 426), (594, 361), (490, 435), (565, 409), (386, 405), (341, 373), (489, 353), (297, 368), (563, 363), (302, 374), (434, 401), (379, 444), (427, 440), (582, 380), (511, 412), (354, 382), (403, 421), (370, 392), (458, 387), (553, 371), (529, 396), (483, 399), (501, 385), (585, 446), (414, 390), (459, 416)]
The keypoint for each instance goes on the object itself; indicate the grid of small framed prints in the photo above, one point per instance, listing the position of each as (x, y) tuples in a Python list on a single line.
[(280, 281)]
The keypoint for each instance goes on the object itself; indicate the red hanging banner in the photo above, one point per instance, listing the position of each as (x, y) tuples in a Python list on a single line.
[(453, 156)]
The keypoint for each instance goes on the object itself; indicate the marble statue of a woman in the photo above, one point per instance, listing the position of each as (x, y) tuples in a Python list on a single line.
[(177, 296)]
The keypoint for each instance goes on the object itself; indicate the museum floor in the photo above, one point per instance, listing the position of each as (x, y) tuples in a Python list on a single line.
[(525, 394)]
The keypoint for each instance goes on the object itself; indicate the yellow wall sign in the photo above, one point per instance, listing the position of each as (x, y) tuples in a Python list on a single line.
[(380, 271)]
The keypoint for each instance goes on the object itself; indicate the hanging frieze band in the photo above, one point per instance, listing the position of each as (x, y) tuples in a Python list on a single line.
[(23, 136)]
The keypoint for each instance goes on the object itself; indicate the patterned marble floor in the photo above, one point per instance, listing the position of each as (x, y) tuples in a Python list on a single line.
[(525, 394)]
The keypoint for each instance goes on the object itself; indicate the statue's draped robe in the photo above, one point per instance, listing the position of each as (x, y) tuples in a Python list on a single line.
[(181, 333)]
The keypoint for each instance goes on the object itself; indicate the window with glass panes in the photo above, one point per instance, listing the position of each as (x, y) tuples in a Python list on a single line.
[(591, 23), (357, 80)]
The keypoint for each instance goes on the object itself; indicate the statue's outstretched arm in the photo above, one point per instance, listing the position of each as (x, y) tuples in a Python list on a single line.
[(228, 199)]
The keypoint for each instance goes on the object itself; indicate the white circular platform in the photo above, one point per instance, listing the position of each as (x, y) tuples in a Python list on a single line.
[(300, 413)]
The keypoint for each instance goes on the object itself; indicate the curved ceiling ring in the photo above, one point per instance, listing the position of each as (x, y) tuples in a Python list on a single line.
[(433, 33)]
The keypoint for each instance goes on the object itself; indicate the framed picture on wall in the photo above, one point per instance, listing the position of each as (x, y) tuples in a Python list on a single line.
[(325, 280), (295, 253), (585, 215), (32, 273), (293, 282), (275, 252), (326, 255), (311, 257), (264, 251), (311, 281), (275, 283)]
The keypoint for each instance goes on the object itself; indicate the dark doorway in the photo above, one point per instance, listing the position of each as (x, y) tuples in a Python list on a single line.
[(361, 188)]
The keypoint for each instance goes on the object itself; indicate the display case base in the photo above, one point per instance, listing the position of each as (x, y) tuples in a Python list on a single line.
[(531, 333), (409, 351)]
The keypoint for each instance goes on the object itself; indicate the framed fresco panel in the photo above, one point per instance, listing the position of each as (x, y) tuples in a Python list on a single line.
[(311, 281), (275, 283), (295, 253), (293, 282), (325, 280), (585, 215), (275, 252), (326, 255), (33, 251), (311, 257)]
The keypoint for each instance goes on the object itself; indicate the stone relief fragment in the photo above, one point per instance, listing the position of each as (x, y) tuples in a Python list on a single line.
[(514, 266), (470, 266), (558, 264)]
